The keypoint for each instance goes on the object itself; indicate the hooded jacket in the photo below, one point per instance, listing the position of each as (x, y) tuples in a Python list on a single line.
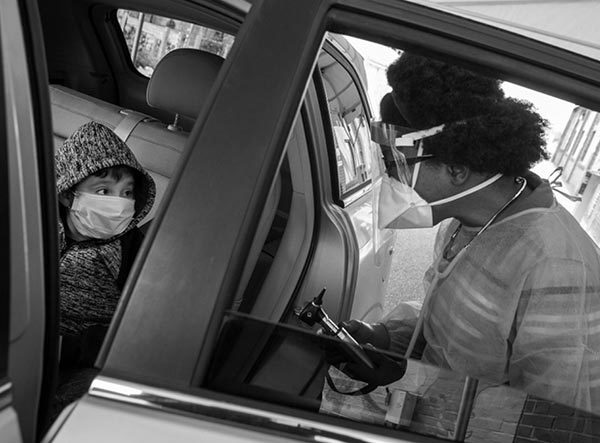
[(90, 286)]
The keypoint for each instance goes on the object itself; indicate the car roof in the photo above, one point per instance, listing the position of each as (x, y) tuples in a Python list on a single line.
[(568, 24)]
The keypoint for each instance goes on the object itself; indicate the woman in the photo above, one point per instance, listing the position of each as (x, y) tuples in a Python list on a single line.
[(513, 293)]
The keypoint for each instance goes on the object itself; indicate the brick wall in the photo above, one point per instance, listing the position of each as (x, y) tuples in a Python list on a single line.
[(545, 421), (495, 415), (437, 409)]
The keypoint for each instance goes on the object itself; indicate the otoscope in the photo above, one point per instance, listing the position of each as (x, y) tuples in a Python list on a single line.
[(313, 313)]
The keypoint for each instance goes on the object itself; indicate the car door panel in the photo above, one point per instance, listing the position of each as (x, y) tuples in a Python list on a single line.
[(125, 422), (9, 421), (32, 224), (172, 416), (374, 261)]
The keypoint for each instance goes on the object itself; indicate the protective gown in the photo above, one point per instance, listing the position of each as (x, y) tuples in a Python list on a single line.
[(520, 305)]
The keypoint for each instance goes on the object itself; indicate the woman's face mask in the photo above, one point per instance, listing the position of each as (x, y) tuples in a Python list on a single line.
[(100, 216), (401, 207)]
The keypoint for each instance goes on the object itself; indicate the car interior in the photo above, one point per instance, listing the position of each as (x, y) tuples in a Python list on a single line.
[(156, 145), (263, 350), (177, 89), (156, 127), (93, 78)]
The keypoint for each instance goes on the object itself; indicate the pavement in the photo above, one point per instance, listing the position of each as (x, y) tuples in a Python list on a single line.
[(413, 254)]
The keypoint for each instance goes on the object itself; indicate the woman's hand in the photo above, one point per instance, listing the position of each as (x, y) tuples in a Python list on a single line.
[(376, 334), (386, 370), (371, 337)]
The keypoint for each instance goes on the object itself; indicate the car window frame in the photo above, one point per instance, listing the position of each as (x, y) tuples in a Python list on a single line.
[(539, 66), (42, 116), (112, 354), (444, 37)]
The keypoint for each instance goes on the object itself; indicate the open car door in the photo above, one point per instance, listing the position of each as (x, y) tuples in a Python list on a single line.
[(28, 282)]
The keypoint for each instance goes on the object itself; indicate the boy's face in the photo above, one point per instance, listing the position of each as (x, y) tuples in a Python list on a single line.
[(109, 185)]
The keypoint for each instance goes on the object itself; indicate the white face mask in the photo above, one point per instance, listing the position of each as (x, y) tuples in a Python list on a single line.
[(100, 216), (401, 207)]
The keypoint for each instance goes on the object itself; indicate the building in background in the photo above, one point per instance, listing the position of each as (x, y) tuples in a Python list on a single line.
[(578, 154), (150, 37), (578, 149)]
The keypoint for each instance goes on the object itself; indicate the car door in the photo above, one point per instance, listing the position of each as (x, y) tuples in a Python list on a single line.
[(344, 95), (29, 282), (9, 423)]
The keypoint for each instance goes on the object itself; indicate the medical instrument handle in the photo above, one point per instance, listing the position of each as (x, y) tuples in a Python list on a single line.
[(313, 313)]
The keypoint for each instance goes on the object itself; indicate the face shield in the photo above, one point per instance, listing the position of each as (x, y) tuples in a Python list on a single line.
[(397, 153), (390, 160), (399, 150)]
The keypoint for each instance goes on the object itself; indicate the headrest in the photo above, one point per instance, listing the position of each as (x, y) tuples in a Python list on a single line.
[(181, 81)]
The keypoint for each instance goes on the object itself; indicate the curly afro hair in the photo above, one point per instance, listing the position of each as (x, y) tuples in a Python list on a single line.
[(507, 139), (484, 129), (429, 92)]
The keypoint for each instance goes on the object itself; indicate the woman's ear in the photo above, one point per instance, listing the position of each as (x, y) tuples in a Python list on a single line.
[(65, 198), (459, 174)]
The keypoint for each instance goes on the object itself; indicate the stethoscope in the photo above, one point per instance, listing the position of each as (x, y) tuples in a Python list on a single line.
[(523, 184), (519, 180)]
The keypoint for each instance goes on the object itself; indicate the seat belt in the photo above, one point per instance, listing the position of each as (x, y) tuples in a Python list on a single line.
[(129, 122)]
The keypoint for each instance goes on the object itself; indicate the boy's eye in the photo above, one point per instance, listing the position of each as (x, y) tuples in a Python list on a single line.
[(128, 194), (101, 191)]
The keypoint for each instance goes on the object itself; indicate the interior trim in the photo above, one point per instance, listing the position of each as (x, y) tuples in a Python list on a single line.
[(4, 388), (5, 394)]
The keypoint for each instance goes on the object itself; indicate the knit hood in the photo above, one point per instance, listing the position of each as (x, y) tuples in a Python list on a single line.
[(93, 147)]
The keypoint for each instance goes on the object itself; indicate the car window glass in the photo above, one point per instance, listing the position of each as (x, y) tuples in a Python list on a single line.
[(150, 37), (290, 359), (349, 125)]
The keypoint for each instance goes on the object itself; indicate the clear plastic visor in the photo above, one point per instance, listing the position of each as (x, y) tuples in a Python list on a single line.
[(397, 150)]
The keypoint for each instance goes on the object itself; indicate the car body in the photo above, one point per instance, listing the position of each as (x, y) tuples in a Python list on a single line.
[(257, 213)]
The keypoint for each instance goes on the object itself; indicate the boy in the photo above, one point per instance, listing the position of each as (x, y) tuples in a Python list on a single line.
[(103, 193)]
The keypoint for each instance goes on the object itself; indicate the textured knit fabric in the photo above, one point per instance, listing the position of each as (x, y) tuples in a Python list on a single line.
[(520, 305), (89, 269)]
